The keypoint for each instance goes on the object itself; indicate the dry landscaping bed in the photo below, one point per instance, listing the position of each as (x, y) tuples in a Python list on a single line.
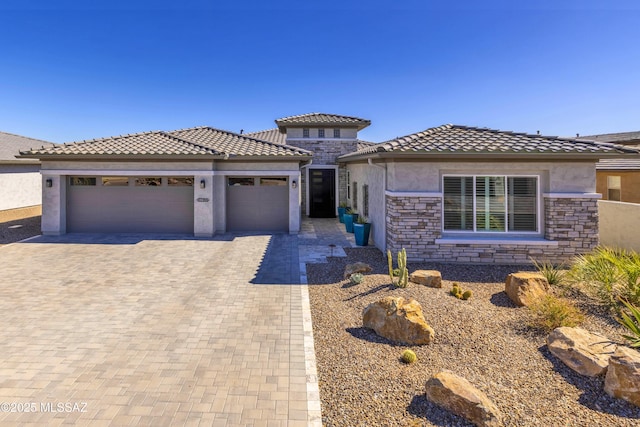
[(485, 340)]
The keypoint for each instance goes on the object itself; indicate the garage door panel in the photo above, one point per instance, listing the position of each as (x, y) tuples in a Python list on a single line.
[(144, 209), (258, 208)]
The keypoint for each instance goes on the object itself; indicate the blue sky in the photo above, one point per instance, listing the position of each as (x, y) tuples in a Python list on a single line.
[(71, 71)]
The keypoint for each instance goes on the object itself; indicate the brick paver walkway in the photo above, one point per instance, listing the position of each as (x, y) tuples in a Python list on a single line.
[(99, 330)]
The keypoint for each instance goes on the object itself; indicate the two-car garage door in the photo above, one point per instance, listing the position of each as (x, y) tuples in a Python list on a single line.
[(121, 204), (130, 204)]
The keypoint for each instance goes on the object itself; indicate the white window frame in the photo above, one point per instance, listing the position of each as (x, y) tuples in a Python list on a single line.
[(305, 133), (321, 133), (475, 232), (336, 133)]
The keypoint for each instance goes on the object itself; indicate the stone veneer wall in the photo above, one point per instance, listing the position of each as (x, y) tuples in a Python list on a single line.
[(415, 223), (573, 223)]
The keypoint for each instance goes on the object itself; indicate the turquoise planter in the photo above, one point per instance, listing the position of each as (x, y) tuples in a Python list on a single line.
[(341, 212), (349, 219), (361, 232)]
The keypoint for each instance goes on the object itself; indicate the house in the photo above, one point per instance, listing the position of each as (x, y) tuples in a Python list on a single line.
[(450, 193), (618, 179), (20, 180)]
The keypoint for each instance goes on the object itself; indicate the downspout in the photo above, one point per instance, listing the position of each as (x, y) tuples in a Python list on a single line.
[(384, 192)]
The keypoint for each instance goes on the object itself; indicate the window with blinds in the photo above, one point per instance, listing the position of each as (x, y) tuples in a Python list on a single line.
[(490, 203)]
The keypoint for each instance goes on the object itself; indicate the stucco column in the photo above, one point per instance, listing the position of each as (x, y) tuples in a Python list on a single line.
[(203, 209), (54, 204), (294, 203)]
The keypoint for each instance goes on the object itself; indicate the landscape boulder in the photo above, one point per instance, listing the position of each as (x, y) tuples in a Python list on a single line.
[(584, 352), (397, 320), (358, 267), (524, 287), (457, 395), (623, 376), (430, 278)]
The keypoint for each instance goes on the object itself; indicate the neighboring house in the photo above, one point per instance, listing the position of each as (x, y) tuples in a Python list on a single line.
[(451, 193), (20, 180), (618, 179)]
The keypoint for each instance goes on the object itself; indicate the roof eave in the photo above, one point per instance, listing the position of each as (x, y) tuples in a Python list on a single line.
[(358, 126), (128, 157), (483, 156), (292, 157)]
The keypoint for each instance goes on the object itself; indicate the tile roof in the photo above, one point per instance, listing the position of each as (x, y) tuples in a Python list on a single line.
[(618, 164), (272, 135), (323, 119), (234, 144), (11, 145), (145, 143), (459, 140), (364, 144), (616, 138), (199, 141)]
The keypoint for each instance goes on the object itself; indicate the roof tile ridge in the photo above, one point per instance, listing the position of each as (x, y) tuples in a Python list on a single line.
[(244, 136), (261, 131), (186, 141)]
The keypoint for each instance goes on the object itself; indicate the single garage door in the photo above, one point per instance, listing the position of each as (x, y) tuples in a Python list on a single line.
[(130, 204), (257, 204)]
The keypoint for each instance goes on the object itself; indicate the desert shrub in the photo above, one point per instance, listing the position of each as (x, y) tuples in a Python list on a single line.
[(552, 273), (609, 274), (408, 356), (467, 294), (550, 312), (356, 278), (631, 322)]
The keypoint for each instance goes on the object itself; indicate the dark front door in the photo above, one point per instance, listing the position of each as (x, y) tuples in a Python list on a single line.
[(322, 185)]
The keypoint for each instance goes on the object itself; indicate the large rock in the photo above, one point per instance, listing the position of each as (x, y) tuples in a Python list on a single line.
[(430, 278), (358, 267), (524, 287), (584, 352), (398, 321), (623, 376), (459, 396)]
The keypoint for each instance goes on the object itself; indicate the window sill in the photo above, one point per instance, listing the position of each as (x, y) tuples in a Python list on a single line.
[(495, 241)]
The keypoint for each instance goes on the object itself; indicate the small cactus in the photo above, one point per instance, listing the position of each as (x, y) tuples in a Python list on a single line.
[(356, 278), (457, 292), (401, 272), (408, 356)]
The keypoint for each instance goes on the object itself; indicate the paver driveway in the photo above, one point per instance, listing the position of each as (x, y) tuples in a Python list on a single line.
[(150, 332)]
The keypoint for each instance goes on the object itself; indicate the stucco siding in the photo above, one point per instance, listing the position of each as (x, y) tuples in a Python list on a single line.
[(19, 190), (620, 225), (374, 177), (563, 177)]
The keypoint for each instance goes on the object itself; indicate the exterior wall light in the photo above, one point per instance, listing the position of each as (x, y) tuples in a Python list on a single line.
[(203, 183), (294, 184), (49, 182)]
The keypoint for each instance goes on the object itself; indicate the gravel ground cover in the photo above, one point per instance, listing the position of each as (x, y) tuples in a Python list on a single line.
[(485, 339), (19, 229)]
